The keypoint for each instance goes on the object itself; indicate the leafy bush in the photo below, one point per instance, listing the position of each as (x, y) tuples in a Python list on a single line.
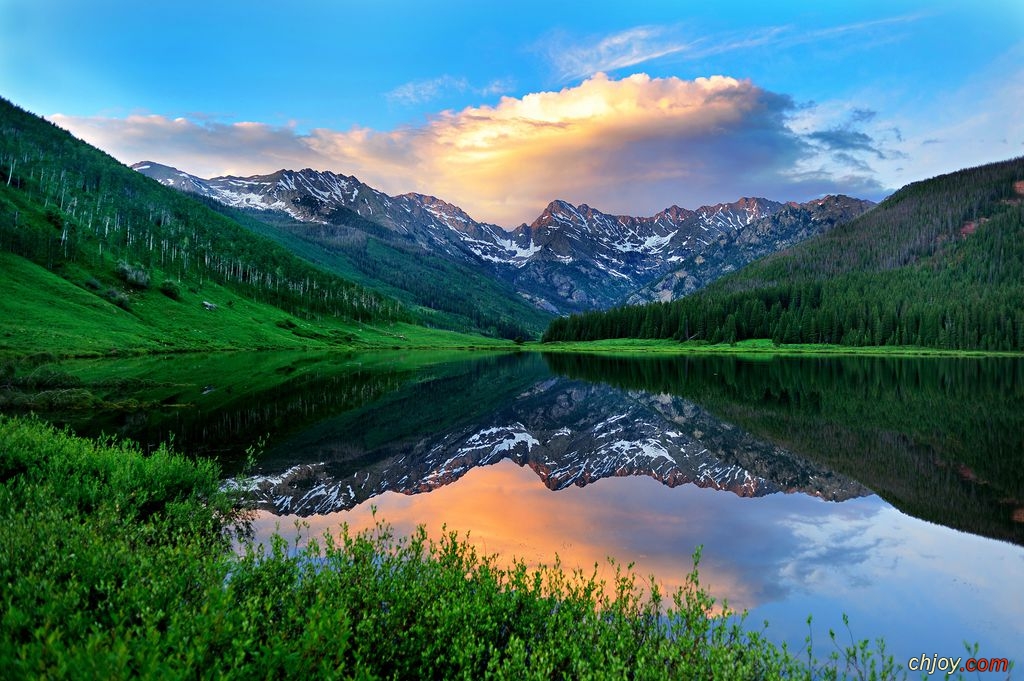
[(45, 376), (134, 275), (119, 298), (38, 358), (308, 333), (64, 399), (170, 289)]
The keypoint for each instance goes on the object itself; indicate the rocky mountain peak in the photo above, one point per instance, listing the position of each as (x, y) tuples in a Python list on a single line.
[(570, 258), (438, 206)]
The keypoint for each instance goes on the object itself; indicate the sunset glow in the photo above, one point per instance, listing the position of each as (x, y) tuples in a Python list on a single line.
[(507, 512)]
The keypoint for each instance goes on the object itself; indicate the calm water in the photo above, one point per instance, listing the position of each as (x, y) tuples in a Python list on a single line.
[(888, 489)]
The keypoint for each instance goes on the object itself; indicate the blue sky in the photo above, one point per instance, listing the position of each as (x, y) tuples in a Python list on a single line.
[(501, 107)]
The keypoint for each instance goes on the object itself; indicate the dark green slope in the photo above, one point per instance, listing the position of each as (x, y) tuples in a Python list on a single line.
[(96, 258), (940, 264), (443, 292)]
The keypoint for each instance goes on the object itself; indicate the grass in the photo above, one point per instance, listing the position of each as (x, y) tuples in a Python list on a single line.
[(42, 312), (753, 347), (119, 565)]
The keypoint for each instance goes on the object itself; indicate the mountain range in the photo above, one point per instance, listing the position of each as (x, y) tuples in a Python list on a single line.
[(570, 258)]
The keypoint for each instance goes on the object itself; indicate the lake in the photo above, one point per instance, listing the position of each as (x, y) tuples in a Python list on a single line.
[(888, 489)]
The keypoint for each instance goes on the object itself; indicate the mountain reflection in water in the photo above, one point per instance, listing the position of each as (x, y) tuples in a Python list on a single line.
[(918, 585), (568, 431)]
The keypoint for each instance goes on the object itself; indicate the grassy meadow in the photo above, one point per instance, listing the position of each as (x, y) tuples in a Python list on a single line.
[(45, 313)]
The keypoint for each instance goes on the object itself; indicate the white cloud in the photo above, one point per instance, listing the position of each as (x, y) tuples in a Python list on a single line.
[(202, 147), (896, 142), (610, 53), (419, 91), (498, 86), (976, 124), (575, 59)]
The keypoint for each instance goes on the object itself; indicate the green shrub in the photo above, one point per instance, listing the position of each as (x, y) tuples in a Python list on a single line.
[(37, 358), (119, 298), (308, 333), (170, 289), (134, 275), (46, 377)]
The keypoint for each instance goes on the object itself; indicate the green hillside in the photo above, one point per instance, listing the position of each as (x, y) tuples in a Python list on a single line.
[(441, 291), (938, 264), (41, 312), (95, 258)]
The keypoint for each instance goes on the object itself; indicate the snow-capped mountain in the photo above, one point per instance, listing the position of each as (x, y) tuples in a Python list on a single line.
[(570, 258), (327, 198), (736, 244), (589, 259), (568, 432)]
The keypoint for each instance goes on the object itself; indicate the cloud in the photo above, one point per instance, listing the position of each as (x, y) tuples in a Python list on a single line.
[(202, 147), (498, 86), (613, 52), (642, 44), (576, 59), (862, 115), (630, 146), (419, 91), (846, 140), (872, 26), (851, 161), (974, 124)]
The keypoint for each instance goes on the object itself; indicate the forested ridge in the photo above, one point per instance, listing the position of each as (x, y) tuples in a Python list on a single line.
[(940, 264), (441, 292), (74, 210)]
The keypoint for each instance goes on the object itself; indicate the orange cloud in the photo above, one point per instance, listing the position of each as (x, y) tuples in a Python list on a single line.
[(631, 146)]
